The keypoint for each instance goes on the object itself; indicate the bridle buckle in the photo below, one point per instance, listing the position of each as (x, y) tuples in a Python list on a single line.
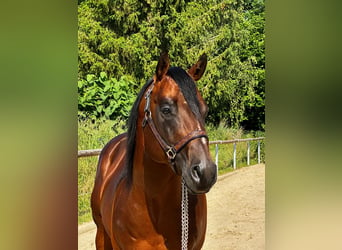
[(171, 153), (146, 118)]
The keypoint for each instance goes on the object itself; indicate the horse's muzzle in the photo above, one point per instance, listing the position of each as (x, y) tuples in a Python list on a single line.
[(200, 177)]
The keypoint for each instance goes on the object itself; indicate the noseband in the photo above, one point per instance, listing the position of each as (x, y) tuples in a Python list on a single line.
[(171, 151)]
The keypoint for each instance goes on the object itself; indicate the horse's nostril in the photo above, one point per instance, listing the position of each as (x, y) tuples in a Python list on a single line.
[(196, 171)]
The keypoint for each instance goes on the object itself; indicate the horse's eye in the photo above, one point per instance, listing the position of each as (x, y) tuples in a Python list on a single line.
[(166, 110)]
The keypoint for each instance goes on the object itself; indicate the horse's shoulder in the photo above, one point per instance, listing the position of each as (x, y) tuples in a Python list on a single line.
[(113, 149), (111, 162), (115, 142)]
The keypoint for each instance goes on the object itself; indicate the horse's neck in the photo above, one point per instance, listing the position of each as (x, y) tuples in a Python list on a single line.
[(161, 181), (156, 180), (163, 194)]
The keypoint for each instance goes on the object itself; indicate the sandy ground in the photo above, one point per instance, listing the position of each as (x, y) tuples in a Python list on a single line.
[(236, 213)]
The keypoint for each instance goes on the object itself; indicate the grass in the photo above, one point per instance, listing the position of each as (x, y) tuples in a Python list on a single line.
[(92, 136), (96, 135)]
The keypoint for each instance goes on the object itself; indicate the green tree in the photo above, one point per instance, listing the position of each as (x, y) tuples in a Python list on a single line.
[(255, 23), (125, 38)]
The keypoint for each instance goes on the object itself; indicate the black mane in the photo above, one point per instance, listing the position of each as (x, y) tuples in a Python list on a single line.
[(132, 128), (189, 91)]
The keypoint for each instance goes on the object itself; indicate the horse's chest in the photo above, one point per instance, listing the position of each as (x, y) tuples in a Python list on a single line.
[(133, 225)]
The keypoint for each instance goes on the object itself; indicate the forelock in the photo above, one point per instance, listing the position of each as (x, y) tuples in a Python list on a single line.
[(188, 88)]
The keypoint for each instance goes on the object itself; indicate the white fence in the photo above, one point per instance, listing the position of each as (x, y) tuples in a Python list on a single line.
[(94, 152), (235, 141)]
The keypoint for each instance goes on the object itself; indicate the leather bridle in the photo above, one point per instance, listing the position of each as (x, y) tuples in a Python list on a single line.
[(171, 151)]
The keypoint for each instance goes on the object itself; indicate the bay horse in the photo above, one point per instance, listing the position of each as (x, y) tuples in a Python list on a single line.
[(136, 200)]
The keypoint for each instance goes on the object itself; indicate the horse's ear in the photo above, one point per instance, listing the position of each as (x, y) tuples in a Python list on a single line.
[(162, 66), (197, 70)]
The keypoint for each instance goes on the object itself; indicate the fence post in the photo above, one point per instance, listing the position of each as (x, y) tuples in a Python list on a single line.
[(248, 148), (258, 152), (216, 155), (234, 156)]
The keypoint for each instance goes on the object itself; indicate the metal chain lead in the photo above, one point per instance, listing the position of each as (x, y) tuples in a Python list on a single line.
[(185, 217)]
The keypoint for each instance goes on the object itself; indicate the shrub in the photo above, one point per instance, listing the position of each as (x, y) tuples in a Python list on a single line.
[(100, 97)]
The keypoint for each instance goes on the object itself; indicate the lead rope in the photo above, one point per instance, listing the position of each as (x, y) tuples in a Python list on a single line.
[(185, 216)]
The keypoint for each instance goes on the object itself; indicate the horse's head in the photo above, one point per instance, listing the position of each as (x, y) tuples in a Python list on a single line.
[(174, 112)]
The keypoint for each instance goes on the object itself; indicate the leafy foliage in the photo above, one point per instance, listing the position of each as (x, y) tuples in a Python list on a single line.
[(125, 38), (106, 98)]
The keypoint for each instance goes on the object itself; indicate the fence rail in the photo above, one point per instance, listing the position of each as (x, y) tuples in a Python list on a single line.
[(95, 152), (235, 141), (89, 152)]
